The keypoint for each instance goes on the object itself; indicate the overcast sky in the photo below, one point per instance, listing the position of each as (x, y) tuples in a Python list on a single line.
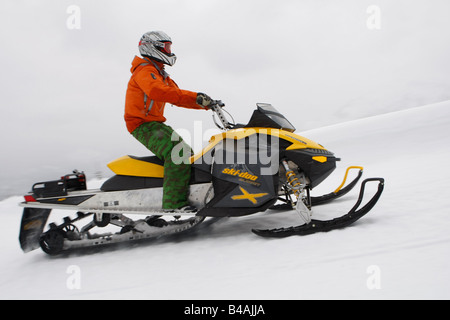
[(65, 67)]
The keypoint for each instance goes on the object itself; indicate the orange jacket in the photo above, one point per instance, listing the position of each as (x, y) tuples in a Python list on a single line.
[(148, 93)]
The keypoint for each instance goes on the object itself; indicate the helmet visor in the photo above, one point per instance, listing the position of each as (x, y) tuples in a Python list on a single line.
[(163, 46), (167, 47)]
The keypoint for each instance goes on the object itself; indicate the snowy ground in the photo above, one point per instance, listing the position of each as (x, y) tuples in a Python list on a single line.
[(400, 250)]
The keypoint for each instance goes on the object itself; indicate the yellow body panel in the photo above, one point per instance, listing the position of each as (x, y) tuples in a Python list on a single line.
[(321, 159), (128, 166), (297, 141)]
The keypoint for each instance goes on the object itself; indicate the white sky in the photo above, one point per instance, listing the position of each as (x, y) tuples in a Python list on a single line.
[(63, 90)]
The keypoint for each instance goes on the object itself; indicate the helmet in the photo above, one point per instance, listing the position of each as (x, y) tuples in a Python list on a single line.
[(157, 45)]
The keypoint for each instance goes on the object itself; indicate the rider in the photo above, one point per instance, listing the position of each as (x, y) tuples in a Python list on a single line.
[(149, 89)]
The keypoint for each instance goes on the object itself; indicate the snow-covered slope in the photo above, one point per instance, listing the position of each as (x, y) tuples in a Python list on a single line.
[(399, 250)]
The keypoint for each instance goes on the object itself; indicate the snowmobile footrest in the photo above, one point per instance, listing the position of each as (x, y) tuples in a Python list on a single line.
[(328, 225)]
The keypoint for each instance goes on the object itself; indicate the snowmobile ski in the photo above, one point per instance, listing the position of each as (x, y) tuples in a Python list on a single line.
[(327, 225)]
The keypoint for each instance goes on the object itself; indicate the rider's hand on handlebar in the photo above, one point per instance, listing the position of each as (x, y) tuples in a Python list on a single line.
[(204, 100)]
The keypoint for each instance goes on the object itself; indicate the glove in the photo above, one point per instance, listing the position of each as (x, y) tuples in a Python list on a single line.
[(203, 100)]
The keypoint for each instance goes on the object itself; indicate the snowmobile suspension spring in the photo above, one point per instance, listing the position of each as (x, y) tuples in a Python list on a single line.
[(292, 179)]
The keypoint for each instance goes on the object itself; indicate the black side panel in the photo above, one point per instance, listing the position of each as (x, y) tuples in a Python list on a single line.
[(118, 182), (151, 159), (233, 212), (31, 227), (245, 177), (198, 175), (316, 171)]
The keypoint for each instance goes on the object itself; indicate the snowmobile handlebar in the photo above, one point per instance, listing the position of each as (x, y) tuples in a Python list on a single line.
[(216, 106), (217, 103)]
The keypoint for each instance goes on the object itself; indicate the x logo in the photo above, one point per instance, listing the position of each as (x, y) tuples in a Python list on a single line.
[(249, 196)]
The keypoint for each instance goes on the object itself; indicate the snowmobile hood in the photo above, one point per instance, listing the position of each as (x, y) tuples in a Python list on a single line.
[(297, 142)]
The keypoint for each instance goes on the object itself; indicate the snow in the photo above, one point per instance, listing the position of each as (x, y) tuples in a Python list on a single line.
[(400, 250)]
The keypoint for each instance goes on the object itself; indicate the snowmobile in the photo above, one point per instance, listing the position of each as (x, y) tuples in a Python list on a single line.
[(248, 168)]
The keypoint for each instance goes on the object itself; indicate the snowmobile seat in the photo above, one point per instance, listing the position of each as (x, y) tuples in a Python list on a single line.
[(144, 172), (149, 159), (151, 166)]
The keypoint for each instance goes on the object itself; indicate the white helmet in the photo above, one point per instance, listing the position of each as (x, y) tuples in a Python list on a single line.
[(157, 45)]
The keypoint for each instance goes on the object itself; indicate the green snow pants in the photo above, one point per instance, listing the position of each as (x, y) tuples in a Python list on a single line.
[(168, 146)]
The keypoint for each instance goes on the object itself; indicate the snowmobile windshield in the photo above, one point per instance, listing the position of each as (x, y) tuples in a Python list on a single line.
[(266, 116)]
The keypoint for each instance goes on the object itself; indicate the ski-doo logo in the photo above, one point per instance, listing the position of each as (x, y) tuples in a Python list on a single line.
[(238, 173)]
